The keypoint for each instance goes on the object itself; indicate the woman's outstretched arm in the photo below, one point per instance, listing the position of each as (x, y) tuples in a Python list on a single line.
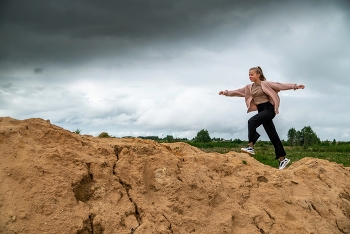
[(234, 93)]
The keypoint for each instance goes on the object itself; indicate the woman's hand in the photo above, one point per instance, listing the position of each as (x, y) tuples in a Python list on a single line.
[(222, 93), (301, 86)]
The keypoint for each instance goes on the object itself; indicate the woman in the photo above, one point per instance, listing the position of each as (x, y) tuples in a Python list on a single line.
[(262, 96)]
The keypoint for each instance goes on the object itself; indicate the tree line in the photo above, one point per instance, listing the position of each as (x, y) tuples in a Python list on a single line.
[(303, 137)]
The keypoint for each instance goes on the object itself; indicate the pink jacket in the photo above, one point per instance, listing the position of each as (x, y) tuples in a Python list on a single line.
[(270, 88)]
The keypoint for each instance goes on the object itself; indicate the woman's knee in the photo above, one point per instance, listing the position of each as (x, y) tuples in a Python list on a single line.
[(251, 121)]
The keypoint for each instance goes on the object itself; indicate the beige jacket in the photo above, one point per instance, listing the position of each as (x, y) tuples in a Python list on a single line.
[(270, 88)]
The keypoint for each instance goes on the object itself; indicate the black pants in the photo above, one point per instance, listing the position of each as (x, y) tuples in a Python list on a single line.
[(265, 115)]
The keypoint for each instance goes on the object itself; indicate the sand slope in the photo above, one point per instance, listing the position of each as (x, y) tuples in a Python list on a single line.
[(56, 181)]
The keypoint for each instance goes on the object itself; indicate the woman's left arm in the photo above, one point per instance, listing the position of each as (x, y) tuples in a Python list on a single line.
[(284, 86)]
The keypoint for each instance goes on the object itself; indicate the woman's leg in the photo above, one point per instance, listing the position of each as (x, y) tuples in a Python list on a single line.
[(274, 138), (255, 121)]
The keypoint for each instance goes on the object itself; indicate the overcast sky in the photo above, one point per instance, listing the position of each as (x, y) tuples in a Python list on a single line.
[(155, 67)]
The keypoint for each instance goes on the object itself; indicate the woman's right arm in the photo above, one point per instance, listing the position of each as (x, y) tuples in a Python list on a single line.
[(234, 93)]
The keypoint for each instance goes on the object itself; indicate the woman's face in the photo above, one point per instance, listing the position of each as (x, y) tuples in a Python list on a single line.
[(254, 76)]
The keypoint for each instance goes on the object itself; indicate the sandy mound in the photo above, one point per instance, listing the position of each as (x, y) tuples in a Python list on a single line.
[(56, 181)]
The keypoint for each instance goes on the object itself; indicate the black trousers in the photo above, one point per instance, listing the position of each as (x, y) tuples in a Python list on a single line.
[(264, 117)]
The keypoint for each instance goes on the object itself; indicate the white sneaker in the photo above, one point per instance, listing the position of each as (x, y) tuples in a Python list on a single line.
[(283, 163), (248, 150)]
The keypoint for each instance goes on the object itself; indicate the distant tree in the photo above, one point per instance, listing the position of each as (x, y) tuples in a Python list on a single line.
[(305, 137), (155, 138), (77, 131), (334, 142), (238, 141), (202, 136), (217, 139), (292, 136), (310, 137), (169, 138)]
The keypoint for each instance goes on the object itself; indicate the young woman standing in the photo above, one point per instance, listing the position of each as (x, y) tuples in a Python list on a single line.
[(262, 95)]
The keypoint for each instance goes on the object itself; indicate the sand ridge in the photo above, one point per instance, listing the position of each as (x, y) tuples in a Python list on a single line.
[(56, 181)]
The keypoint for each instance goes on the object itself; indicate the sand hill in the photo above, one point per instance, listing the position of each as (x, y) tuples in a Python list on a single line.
[(56, 181)]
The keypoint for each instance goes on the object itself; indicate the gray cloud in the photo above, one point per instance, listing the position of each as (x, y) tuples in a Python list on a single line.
[(38, 70)]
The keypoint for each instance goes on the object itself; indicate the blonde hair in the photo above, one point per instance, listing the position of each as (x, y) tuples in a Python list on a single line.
[(259, 71)]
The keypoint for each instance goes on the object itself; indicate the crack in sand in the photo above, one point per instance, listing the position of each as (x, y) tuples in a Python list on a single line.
[(137, 215), (170, 228), (117, 150), (90, 228)]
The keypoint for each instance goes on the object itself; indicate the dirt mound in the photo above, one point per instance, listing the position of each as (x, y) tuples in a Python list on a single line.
[(56, 181)]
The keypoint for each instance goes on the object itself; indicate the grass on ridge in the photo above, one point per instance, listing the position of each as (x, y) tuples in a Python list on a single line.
[(265, 153)]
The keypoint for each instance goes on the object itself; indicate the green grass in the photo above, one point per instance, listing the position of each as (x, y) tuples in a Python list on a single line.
[(77, 131), (265, 152)]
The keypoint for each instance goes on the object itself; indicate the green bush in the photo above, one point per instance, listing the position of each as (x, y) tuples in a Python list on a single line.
[(104, 135)]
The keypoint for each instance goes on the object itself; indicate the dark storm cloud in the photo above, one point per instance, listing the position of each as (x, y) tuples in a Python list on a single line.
[(38, 70), (126, 19), (69, 31), (72, 30), (112, 18)]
